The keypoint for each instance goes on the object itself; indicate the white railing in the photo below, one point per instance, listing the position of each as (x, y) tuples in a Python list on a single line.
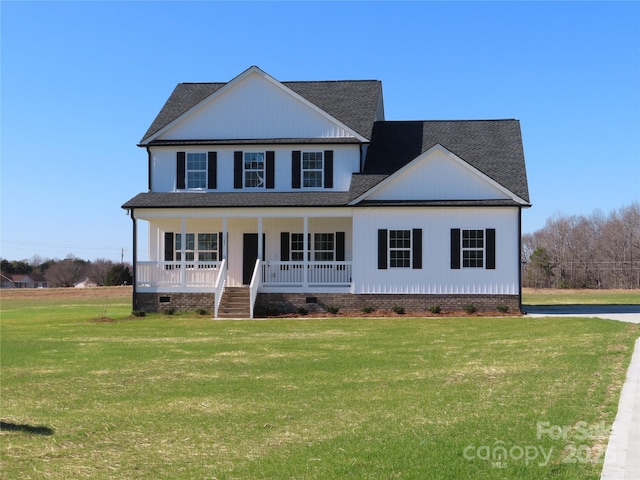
[(177, 275), (315, 273), (219, 286), (254, 286)]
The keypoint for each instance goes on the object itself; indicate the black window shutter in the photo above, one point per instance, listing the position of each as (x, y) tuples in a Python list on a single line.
[(455, 248), (237, 169), (295, 169), (212, 170), (284, 246), (382, 249), (417, 248), (270, 173), (180, 170), (220, 246), (491, 248), (339, 246), (328, 169), (168, 246)]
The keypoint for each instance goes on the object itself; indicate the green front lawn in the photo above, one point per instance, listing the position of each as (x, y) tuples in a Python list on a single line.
[(189, 397)]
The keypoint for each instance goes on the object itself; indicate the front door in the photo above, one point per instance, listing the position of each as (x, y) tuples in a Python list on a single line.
[(250, 255)]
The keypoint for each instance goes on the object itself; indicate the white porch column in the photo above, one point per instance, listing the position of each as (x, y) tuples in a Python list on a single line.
[(260, 252), (305, 254), (183, 242), (225, 253)]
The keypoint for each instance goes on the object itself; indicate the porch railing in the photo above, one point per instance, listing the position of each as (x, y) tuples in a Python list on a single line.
[(254, 286), (315, 273), (220, 284), (176, 275)]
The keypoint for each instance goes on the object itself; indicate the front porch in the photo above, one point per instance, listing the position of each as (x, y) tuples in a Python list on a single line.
[(275, 276)]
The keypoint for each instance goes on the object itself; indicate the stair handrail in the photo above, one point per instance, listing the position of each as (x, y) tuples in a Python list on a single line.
[(254, 286), (221, 282)]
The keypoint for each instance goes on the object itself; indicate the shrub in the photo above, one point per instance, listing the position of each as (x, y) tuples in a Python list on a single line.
[(202, 311), (399, 309), (367, 309), (272, 311), (333, 309), (470, 308), (435, 309), (302, 311), (502, 308), (138, 313), (169, 311)]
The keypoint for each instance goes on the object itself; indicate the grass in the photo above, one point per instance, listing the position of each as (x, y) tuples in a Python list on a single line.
[(183, 396), (550, 296)]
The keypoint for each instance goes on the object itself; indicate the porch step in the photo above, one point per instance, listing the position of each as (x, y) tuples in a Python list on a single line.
[(235, 303)]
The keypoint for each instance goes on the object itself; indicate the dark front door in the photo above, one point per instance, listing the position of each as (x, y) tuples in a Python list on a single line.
[(250, 255)]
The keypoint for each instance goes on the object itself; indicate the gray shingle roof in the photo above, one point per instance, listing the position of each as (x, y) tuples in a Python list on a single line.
[(494, 147), (352, 102), (359, 185)]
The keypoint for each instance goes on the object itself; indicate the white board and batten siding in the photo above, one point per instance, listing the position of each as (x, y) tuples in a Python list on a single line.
[(254, 108), (438, 175), (346, 160), (436, 275)]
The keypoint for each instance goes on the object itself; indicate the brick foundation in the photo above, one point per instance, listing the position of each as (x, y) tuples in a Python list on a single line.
[(291, 302), (180, 302), (285, 303)]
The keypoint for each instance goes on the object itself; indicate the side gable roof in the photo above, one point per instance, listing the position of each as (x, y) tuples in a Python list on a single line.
[(352, 102), (494, 147)]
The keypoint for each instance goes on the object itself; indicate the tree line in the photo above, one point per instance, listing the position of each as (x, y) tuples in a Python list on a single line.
[(595, 251), (71, 270)]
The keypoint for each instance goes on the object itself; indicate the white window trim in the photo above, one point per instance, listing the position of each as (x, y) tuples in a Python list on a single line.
[(245, 170), (303, 170), (409, 248), (474, 249), (187, 170)]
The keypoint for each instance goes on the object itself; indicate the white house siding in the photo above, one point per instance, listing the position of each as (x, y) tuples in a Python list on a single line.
[(255, 108), (438, 176), (436, 275), (346, 160)]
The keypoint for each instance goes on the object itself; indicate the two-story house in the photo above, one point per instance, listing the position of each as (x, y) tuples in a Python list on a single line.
[(287, 194)]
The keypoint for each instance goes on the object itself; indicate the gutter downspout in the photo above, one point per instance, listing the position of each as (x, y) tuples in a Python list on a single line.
[(134, 302), (520, 258), (148, 168)]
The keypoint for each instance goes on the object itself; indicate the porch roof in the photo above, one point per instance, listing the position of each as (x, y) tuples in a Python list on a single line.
[(359, 185)]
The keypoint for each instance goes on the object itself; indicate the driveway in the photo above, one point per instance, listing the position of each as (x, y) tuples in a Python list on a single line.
[(623, 313)]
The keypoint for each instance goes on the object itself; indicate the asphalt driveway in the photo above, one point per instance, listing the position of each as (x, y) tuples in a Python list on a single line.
[(623, 313)]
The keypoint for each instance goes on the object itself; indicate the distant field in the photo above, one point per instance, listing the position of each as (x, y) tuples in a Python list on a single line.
[(90, 392), (543, 296)]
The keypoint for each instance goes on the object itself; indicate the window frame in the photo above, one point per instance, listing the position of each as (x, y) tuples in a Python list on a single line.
[(192, 247), (406, 261), (202, 180), (263, 170), (473, 249), (319, 183)]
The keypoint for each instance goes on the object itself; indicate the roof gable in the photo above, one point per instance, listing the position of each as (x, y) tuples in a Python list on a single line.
[(351, 107), (492, 147), (437, 174)]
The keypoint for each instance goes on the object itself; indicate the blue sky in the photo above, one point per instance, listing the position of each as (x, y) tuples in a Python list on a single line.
[(82, 81)]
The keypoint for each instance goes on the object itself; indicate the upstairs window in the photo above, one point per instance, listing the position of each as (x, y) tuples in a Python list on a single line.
[(254, 171), (196, 170), (312, 170)]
